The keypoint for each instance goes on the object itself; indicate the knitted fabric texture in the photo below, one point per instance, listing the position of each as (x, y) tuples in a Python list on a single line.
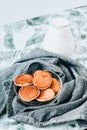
[(71, 103)]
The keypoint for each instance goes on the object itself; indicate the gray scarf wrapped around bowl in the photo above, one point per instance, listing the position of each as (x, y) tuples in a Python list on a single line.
[(71, 103)]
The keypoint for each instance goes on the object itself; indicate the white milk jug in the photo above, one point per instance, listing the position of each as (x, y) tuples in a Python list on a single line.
[(59, 38)]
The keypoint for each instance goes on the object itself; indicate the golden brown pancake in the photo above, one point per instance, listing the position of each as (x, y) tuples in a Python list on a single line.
[(55, 85), (42, 79), (42, 82), (42, 72), (46, 95), (23, 79), (29, 92)]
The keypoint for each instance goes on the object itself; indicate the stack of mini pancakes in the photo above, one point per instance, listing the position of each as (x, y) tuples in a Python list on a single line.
[(41, 85)]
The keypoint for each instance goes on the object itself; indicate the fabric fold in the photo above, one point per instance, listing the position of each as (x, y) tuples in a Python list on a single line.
[(70, 104)]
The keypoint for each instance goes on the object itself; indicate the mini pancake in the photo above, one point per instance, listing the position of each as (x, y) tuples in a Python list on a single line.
[(55, 85), (28, 93), (42, 72), (23, 79), (46, 95), (42, 82)]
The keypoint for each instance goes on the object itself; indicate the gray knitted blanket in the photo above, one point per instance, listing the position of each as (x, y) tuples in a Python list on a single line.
[(71, 103)]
